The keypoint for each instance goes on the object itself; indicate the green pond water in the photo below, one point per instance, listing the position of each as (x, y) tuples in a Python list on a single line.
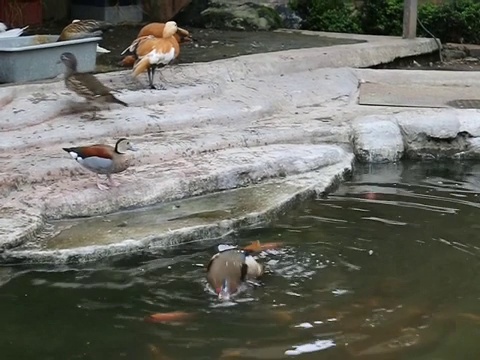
[(384, 268)]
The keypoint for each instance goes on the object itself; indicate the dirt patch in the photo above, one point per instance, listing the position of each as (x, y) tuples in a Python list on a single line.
[(209, 44)]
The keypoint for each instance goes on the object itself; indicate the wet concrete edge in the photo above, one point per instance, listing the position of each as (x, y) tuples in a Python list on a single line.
[(328, 179)]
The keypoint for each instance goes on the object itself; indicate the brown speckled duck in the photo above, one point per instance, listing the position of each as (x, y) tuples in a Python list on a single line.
[(229, 269), (103, 159), (86, 85), (81, 29)]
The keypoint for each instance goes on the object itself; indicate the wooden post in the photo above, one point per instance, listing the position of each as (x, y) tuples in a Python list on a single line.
[(410, 19)]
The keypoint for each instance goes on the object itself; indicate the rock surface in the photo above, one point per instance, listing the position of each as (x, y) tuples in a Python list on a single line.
[(283, 122), (240, 16)]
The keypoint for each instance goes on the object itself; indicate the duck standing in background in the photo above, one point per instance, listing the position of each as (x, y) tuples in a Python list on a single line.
[(156, 29), (81, 29), (229, 269), (152, 52), (86, 85), (103, 159), (11, 33)]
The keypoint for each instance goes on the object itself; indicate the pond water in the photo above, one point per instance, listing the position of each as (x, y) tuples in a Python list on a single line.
[(384, 268)]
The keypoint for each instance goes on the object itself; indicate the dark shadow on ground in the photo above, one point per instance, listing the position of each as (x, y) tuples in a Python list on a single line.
[(209, 45)]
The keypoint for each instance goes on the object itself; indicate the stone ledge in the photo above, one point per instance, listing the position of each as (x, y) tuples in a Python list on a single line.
[(421, 134), (278, 196)]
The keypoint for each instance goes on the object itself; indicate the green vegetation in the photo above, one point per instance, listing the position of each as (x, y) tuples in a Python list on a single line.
[(452, 21), (328, 15)]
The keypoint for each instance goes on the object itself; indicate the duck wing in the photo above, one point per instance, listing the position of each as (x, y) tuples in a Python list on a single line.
[(88, 85)]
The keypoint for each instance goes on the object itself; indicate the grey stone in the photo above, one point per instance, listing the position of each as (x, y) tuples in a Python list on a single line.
[(435, 124), (469, 122), (377, 140), (449, 54), (246, 16), (290, 18), (18, 224), (471, 150), (433, 135)]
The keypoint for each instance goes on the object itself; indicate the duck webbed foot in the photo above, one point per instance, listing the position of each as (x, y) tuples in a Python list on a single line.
[(158, 87), (112, 182), (100, 185), (151, 74)]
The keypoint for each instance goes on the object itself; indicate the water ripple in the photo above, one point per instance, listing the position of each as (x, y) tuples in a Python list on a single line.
[(376, 269)]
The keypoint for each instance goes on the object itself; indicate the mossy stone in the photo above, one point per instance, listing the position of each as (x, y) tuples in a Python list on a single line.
[(246, 16)]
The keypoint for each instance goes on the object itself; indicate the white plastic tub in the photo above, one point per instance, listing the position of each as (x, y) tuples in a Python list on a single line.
[(30, 58)]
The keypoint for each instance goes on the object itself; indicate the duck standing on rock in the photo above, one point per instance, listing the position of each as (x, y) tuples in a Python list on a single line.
[(86, 85), (152, 52), (103, 159), (229, 269), (156, 29), (81, 29)]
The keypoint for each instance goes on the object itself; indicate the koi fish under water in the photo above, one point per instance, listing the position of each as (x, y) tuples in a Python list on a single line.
[(256, 246), (174, 316)]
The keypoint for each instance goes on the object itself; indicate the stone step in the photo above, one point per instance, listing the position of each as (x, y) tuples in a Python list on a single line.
[(198, 218)]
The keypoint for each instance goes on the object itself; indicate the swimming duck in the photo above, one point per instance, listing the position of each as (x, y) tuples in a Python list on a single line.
[(156, 29), (230, 268), (103, 159), (153, 52), (16, 32), (81, 29), (86, 85)]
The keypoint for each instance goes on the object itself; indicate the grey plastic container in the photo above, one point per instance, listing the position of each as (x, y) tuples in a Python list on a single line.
[(22, 59)]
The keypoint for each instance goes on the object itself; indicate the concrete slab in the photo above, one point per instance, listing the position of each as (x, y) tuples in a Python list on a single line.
[(378, 94)]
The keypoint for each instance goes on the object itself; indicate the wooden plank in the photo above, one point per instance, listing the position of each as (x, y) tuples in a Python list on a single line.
[(410, 19)]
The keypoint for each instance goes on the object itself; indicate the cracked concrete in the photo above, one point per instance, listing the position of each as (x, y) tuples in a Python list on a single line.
[(229, 143)]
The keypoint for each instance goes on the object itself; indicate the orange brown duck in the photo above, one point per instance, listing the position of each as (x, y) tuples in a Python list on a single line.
[(156, 29), (152, 52)]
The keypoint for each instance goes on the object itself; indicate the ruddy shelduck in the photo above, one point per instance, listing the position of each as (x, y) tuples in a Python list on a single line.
[(152, 52), (156, 29)]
